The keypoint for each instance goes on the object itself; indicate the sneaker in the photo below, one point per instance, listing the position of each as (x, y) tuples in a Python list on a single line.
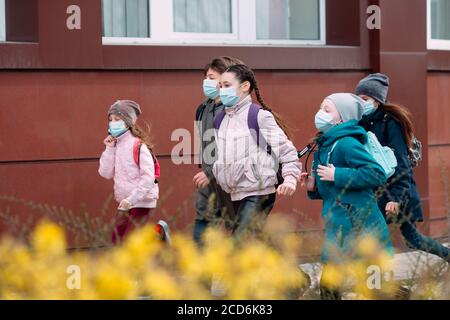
[(162, 228)]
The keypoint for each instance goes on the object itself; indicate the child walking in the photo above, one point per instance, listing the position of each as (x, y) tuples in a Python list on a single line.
[(393, 126), (128, 159), (212, 204), (252, 144), (345, 176)]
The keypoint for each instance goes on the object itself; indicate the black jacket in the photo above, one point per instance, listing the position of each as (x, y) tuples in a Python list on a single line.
[(401, 187)]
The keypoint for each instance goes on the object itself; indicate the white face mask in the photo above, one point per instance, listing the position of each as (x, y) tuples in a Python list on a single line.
[(116, 128), (369, 107), (324, 121)]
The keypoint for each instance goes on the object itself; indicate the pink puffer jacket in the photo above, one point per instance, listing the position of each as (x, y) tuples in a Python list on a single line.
[(136, 184)]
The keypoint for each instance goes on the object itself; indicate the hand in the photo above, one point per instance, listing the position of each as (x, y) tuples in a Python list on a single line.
[(326, 173), (308, 181), (201, 180), (286, 189), (124, 205), (392, 208), (110, 141)]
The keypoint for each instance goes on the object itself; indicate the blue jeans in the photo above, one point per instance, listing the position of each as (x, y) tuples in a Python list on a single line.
[(252, 214)]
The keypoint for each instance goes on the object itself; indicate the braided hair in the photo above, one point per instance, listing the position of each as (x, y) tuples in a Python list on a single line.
[(244, 73)]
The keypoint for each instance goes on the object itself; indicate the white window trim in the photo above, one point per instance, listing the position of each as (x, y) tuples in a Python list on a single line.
[(243, 29), (2, 21), (434, 44)]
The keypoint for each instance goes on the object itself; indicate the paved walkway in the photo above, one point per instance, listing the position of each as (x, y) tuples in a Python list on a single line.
[(406, 265)]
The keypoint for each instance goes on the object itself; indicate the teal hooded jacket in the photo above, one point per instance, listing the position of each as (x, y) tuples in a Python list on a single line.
[(350, 209)]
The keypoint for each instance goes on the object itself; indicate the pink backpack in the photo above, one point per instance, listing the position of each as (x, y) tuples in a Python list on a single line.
[(136, 154)]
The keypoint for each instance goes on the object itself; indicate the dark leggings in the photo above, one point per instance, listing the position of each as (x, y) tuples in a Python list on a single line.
[(415, 240)]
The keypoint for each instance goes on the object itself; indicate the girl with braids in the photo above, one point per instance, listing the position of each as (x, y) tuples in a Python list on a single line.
[(129, 159), (393, 126), (251, 143), (212, 205)]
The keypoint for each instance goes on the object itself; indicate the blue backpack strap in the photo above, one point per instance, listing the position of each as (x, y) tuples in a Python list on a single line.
[(252, 121), (218, 119)]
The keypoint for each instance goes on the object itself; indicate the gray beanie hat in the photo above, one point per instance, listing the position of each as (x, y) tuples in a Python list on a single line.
[(127, 110), (349, 106), (374, 85)]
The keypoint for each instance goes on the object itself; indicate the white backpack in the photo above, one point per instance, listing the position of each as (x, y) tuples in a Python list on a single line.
[(383, 155)]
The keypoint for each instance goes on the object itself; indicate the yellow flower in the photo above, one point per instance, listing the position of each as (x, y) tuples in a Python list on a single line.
[(332, 276), (48, 238), (112, 283), (368, 247), (161, 285)]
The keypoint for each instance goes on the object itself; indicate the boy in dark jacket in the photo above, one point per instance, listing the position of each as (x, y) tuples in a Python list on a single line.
[(212, 204)]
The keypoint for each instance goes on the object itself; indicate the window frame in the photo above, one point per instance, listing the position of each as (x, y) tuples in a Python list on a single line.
[(434, 44), (2, 21), (243, 29)]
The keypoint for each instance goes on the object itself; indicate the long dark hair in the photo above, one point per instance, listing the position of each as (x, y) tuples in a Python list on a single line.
[(403, 116), (244, 73)]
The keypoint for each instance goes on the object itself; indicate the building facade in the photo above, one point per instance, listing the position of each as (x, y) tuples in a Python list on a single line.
[(63, 62)]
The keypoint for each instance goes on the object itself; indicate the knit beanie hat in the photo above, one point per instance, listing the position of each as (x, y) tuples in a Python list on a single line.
[(127, 110), (374, 85), (349, 106)]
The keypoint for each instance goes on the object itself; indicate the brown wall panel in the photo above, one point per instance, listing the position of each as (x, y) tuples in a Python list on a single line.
[(62, 115), (439, 152), (403, 25), (343, 22), (439, 180), (438, 103), (72, 184), (64, 48)]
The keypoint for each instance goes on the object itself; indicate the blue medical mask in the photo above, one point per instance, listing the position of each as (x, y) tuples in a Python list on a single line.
[(210, 88), (369, 108), (116, 128), (324, 121), (229, 97)]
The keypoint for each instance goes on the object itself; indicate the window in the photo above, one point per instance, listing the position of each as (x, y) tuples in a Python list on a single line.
[(2, 21), (126, 18), (224, 22), (195, 16), (288, 19), (439, 24)]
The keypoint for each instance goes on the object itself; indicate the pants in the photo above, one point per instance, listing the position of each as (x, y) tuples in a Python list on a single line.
[(213, 206), (126, 222), (415, 240), (252, 213)]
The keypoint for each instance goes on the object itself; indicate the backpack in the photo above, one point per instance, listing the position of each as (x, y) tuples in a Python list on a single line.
[(384, 156), (136, 155), (253, 125), (415, 149), (415, 152)]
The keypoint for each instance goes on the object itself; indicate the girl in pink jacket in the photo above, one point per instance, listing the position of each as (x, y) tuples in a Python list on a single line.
[(128, 160)]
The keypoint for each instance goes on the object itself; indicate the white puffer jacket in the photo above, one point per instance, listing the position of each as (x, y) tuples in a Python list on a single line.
[(243, 169)]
